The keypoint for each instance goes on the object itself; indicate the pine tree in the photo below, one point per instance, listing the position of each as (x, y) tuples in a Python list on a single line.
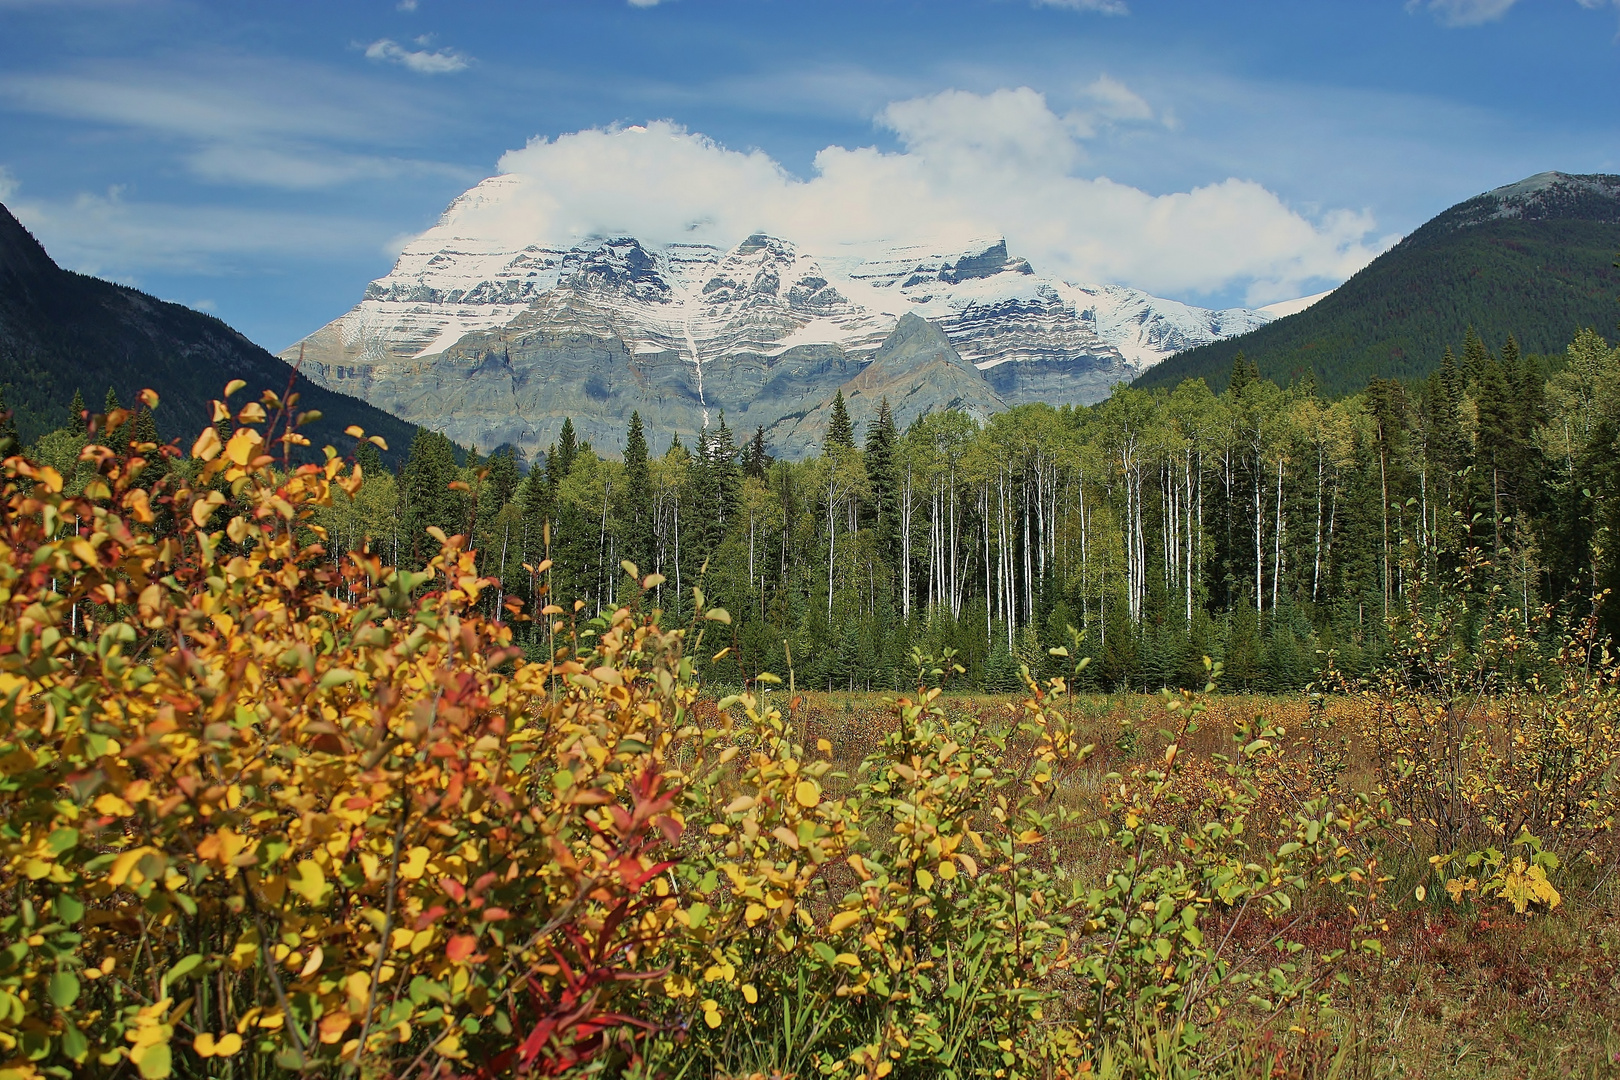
[(561, 458), (369, 458), (1244, 373), (76, 417), (883, 469), (1475, 357), (636, 499), (756, 461), (111, 402), (727, 474), (425, 495), (840, 431)]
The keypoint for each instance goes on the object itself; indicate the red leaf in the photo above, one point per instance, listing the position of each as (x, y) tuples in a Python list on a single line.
[(461, 946)]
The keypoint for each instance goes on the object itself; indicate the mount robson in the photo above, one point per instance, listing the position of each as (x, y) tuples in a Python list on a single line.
[(498, 342)]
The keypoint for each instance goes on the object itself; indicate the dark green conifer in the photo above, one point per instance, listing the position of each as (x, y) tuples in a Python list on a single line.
[(840, 431), (636, 499), (882, 440)]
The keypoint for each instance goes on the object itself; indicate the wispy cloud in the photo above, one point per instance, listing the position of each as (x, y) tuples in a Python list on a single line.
[(8, 184), (245, 122), (645, 3), (106, 235), (421, 61), (1102, 7), (1463, 12)]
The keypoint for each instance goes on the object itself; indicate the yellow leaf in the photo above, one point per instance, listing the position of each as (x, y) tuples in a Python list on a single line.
[(415, 863), (240, 450), (313, 964), (207, 446), (308, 881), (227, 1044), (749, 994), (204, 1044), (807, 792), (925, 880), (947, 870), (843, 921)]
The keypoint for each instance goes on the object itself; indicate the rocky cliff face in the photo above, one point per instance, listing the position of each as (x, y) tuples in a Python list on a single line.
[(493, 342)]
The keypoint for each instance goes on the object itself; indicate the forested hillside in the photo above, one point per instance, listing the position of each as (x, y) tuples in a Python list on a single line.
[(63, 334), (1535, 259), (1269, 527)]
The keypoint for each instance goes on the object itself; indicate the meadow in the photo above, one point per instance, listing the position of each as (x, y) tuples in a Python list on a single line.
[(270, 812), (1460, 990)]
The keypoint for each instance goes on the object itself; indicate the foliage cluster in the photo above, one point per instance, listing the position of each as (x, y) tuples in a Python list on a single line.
[(270, 812)]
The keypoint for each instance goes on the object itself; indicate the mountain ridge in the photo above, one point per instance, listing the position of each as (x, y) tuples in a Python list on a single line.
[(1534, 259), (498, 339), (61, 331)]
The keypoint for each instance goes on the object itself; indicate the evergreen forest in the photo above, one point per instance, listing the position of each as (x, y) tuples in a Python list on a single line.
[(1266, 526)]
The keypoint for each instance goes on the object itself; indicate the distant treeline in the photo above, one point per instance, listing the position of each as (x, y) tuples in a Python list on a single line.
[(1264, 526)]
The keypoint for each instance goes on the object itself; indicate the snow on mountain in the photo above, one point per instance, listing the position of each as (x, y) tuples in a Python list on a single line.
[(1284, 308), (496, 340)]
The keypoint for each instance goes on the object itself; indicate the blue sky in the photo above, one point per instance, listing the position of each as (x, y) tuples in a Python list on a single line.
[(264, 161)]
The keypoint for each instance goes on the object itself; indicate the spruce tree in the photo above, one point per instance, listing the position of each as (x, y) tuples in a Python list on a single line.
[(882, 441), (425, 495), (727, 475), (636, 499), (756, 461), (1244, 373), (561, 458), (76, 408), (840, 431)]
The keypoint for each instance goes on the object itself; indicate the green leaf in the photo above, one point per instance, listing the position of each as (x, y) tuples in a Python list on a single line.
[(74, 1045), (68, 909), (62, 840), (185, 967), (63, 987)]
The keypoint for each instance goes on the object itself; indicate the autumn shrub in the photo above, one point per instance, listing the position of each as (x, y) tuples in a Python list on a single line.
[(252, 823), (1487, 738), (267, 812)]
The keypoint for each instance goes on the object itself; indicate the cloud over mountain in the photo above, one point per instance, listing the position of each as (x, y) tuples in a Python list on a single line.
[(968, 165)]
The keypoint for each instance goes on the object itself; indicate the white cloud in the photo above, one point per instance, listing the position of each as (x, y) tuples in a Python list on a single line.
[(1104, 7), (8, 184), (1464, 12), (107, 236), (405, 5), (244, 121), (645, 3), (970, 166), (438, 62)]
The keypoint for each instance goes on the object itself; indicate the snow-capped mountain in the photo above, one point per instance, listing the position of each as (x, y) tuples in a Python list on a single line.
[(494, 342)]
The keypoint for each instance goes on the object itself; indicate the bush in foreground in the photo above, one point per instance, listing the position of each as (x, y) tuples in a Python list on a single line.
[(269, 814)]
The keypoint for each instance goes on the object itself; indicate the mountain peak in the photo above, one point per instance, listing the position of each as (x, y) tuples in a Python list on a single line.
[(1546, 196), (24, 265)]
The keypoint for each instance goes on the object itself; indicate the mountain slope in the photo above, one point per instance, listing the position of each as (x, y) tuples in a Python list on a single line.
[(497, 337), (61, 332), (1534, 259), (916, 369)]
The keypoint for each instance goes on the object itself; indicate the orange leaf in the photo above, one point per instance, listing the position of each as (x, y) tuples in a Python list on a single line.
[(461, 946)]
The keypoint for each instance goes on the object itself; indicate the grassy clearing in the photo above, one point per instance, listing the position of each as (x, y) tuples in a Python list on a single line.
[(1462, 991)]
